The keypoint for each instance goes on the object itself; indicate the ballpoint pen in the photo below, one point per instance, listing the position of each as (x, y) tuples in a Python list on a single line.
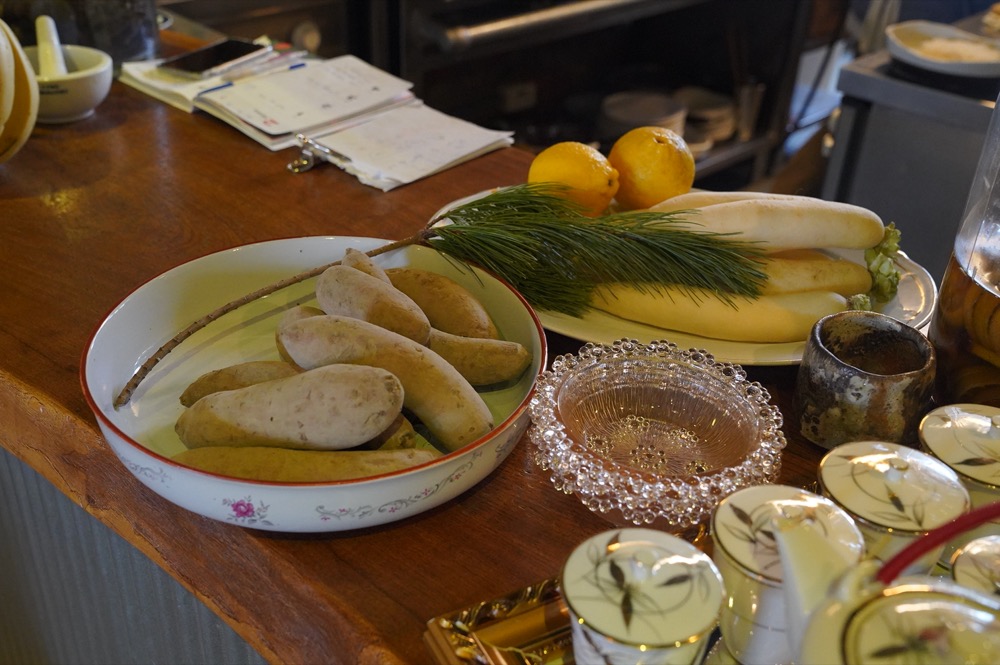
[(280, 59)]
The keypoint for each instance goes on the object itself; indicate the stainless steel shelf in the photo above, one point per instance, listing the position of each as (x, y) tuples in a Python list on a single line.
[(726, 155)]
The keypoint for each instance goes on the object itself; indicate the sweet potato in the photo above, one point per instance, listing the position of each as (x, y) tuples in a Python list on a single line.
[(299, 312), (435, 392), (329, 408), (301, 466), (294, 314), (350, 292), (448, 305), (480, 360), (236, 376), (354, 258), (401, 436)]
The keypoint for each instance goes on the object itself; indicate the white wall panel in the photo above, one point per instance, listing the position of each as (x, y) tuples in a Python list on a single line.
[(72, 591)]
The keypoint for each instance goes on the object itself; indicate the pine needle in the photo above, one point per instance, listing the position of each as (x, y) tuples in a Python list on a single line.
[(555, 256)]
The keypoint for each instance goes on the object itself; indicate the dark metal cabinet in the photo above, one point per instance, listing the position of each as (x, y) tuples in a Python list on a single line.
[(541, 68)]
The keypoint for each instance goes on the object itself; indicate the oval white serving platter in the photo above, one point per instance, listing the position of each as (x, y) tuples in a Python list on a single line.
[(910, 41)]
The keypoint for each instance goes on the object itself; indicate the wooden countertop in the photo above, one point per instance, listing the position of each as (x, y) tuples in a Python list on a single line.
[(91, 210)]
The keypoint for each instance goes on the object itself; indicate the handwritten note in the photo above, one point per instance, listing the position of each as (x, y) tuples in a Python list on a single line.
[(308, 95), (408, 143)]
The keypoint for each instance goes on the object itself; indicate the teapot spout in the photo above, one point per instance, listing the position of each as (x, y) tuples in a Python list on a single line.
[(811, 569)]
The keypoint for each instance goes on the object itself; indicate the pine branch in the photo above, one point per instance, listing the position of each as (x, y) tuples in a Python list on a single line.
[(555, 256), (543, 246)]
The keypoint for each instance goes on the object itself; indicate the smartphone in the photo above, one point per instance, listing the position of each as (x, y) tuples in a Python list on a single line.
[(214, 59)]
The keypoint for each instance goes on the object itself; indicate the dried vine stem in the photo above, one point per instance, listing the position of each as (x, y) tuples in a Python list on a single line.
[(126, 393)]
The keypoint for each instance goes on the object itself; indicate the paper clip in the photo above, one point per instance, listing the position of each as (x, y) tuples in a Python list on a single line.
[(310, 153)]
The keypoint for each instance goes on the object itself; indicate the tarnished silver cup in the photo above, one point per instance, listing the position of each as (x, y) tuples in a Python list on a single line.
[(864, 376)]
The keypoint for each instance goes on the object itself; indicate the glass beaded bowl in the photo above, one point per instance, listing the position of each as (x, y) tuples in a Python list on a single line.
[(654, 432)]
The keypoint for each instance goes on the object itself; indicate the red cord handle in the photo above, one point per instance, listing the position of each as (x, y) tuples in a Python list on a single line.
[(937, 536)]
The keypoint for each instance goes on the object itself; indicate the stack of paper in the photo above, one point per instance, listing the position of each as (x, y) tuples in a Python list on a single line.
[(342, 110), (272, 107), (174, 89), (406, 144), (313, 96)]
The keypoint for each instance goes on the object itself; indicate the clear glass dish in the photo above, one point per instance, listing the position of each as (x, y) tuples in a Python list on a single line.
[(657, 433)]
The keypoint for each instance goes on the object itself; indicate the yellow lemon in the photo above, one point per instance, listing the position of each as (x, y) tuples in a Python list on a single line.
[(588, 174), (653, 164)]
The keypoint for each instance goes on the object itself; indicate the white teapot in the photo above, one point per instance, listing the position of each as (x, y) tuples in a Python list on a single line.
[(840, 613), (753, 622)]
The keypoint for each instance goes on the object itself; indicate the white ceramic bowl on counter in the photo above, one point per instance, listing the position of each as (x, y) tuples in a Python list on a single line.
[(74, 95), (141, 432)]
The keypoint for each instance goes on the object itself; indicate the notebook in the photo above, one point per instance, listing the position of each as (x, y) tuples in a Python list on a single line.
[(398, 146), (307, 97)]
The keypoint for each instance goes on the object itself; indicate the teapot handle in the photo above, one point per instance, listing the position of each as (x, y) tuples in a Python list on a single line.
[(942, 534)]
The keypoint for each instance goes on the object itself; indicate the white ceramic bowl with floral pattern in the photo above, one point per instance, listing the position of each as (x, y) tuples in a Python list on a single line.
[(141, 432)]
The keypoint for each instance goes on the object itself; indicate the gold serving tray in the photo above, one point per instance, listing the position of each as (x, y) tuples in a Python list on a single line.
[(527, 627)]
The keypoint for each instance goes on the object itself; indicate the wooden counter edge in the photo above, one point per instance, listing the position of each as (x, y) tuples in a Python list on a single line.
[(119, 501)]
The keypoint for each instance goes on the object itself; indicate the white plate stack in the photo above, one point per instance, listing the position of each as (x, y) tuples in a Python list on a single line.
[(627, 110), (710, 113)]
